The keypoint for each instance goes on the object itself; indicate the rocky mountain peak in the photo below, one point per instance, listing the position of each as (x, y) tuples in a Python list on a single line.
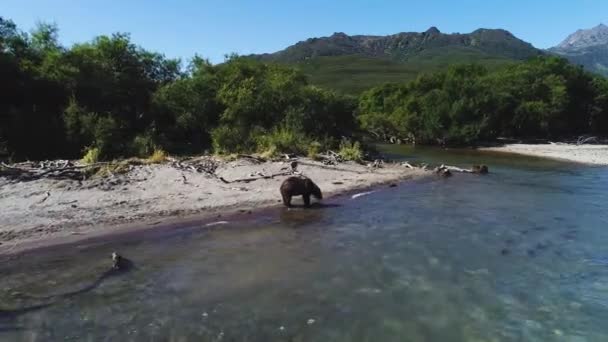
[(433, 30), (582, 39)]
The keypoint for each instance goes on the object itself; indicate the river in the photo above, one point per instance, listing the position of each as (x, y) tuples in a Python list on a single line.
[(518, 255)]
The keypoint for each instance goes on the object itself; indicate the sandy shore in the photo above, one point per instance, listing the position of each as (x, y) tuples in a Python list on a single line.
[(47, 209), (588, 154)]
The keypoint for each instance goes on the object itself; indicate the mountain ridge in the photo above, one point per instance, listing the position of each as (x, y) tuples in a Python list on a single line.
[(404, 45), (586, 47), (585, 38), (354, 63)]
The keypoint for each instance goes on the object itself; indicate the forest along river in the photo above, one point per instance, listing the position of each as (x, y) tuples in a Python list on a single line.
[(518, 255)]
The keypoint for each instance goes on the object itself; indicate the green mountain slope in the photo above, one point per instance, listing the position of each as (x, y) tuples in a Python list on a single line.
[(353, 74), (351, 64)]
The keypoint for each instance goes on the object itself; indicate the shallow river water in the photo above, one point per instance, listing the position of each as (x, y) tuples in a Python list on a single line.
[(518, 255)]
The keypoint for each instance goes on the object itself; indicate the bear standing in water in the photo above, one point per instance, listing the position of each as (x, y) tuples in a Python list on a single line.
[(296, 186)]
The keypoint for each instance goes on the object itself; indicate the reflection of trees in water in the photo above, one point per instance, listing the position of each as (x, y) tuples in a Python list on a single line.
[(8, 317)]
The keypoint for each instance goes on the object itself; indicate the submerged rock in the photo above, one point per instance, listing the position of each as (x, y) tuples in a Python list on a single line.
[(480, 169)]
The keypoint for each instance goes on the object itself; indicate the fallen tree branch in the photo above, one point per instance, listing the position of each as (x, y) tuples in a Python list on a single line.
[(29, 171), (477, 169), (331, 168), (408, 165), (331, 158), (455, 169), (202, 165), (586, 140), (251, 179), (250, 157)]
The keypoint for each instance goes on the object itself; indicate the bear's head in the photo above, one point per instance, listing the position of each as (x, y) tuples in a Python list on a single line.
[(315, 191)]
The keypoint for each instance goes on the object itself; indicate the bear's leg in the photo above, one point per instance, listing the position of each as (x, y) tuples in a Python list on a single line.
[(287, 200), (306, 200)]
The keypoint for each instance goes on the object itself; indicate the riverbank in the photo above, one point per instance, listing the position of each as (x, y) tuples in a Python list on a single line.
[(587, 154), (147, 195)]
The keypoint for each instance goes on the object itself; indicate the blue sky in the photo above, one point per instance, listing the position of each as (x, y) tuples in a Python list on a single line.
[(181, 28)]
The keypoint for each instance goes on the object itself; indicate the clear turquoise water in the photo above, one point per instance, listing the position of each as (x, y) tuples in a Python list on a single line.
[(518, 255)]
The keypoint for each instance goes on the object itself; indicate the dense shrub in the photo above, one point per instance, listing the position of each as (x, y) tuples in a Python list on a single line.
[(544, 97), (283, 139), (351, 151), (158, 156), (91, 156), (314, 148), (121, 100), (143, 145)]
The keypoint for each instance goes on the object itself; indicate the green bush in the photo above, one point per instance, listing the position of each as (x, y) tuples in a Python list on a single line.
[(91, 156), (314, 148), (282, 140), (543, 97), (115, 96), (143, 145), (228, 140), (351, 151), (157, 157)]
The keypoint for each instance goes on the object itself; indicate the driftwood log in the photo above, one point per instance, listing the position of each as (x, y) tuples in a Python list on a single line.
[(586, 140), (254, 159), (251, 179), (29, 171), (331, 158), (480, 169), (199, 165)]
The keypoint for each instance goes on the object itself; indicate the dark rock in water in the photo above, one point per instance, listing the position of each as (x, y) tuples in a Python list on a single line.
[(393, 185), (480, 169), (531, 253), (524, 232), (505, 251), (121, 263), (509, 241), (444, 173)]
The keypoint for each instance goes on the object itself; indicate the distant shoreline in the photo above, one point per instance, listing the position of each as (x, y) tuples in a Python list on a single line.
[(47, 212), (585, 154)]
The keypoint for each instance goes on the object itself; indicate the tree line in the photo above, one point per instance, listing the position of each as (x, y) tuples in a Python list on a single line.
[(117, 99), (545, 97)]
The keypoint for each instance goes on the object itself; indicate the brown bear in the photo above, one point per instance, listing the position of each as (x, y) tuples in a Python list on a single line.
[(481, 169), (296, 186)]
